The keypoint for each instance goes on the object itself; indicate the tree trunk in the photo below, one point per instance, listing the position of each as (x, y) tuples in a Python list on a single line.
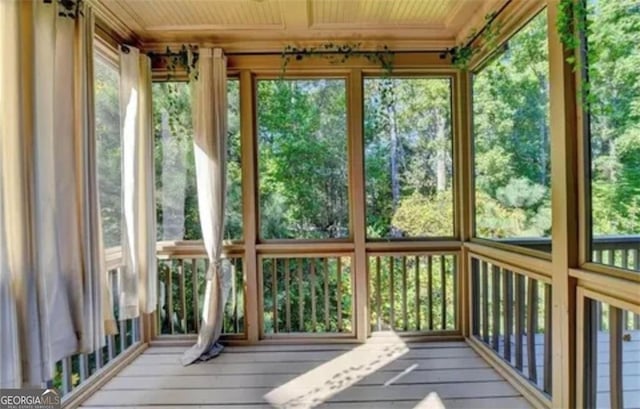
[(395, 158), (174, 182), (544, 131), (441, 152)]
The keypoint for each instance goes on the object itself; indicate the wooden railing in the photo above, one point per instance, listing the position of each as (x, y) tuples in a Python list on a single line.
[(76, 370), (608, 350), (511, 315), (618, 251), (413, 292), (181, 287), (308, 295)]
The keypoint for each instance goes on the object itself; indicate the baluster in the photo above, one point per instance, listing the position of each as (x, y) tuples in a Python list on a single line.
[(83, 366), (300, 297), (430, 290), (66, 376), (183, 296), (234, 296), (392, 290), (485, 302), (417, 311), (507, 290), (404, 294), (532, 321), (170, 298), (274, 293), (443, 296), (454, 280), (196, 295), (287, 295), (615, 357), (519, 318), (326, 294), (495, 308), (312, 272), (378, 293), (475, 297), (548, 370), (339, 293)]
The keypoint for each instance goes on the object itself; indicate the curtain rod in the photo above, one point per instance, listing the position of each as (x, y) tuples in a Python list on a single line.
[(488, 23), (328, 52)]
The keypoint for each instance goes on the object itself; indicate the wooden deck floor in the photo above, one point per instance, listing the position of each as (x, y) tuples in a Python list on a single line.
[(383, 373)]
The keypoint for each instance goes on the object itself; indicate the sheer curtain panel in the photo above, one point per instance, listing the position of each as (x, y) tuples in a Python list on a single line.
[(51, 281), (210, 134), (139, 278)]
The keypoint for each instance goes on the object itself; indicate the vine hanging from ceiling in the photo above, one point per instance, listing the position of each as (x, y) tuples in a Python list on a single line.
[(486, 37), (184, 59)]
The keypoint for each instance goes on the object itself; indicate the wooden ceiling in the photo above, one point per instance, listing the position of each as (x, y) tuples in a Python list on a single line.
[(263, 25)]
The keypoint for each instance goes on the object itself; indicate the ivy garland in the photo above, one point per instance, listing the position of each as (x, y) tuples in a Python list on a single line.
[(462, 54), (338, 53), (185, 58), (571, 23), (572, 27)]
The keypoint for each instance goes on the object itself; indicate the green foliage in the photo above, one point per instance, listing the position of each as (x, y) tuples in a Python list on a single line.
[(420, 216), (337, 53), (302, 157), (408, 153), (511, 139), (462, 54), (108, 151), (614, 78), (176, 190), (184, 59)]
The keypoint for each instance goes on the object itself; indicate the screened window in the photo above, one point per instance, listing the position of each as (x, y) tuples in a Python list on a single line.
[(511, 142), (176, 189), (302, 158), (109, 149), (408, 157), (613, 63)]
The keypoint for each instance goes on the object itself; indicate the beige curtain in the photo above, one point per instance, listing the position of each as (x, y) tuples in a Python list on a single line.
[(10, 368), (49, 261), (139, 278), (210, 134)]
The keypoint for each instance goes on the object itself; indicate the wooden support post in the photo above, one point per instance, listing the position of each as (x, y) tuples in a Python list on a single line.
[(564, 201), (357, 203), (249, 204), (464, 190)]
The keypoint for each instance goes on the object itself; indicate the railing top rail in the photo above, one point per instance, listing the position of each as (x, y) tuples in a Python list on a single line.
[(597, 240)]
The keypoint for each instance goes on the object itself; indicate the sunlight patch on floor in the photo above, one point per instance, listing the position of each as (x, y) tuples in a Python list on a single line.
[(318, 385), (431, 401)]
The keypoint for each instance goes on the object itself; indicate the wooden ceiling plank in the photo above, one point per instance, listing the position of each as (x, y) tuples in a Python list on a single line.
[(295, 14)]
